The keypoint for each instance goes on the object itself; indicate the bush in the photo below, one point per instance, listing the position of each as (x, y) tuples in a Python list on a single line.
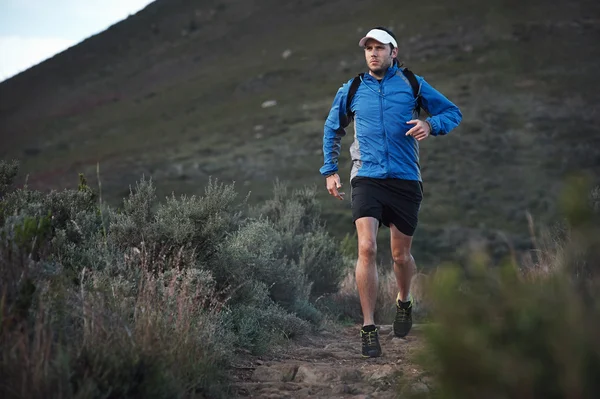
[(522, 332), (155, 337), (8, 172), (303, 239), (153, 299)]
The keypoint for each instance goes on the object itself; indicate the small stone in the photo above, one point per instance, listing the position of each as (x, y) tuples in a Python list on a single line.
[(344, 66), (306, 375), (264, 374), (419, 388), (286, 54), (385, 329), (383, 372), (525, 83), (269, 103)]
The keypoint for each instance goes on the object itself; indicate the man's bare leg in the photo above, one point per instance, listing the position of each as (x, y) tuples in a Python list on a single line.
[(366, 267), (404, 263)]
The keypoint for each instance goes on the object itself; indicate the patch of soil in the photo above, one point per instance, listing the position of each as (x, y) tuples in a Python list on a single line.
[(329, 365)]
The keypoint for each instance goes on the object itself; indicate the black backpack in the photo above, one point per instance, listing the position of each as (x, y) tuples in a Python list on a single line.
[(356, 82)]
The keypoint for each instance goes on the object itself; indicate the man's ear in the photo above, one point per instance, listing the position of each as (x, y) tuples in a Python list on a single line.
[(395, 52)]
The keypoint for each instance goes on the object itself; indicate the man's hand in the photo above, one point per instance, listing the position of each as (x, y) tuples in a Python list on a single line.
[(420, 130), (333, 184)]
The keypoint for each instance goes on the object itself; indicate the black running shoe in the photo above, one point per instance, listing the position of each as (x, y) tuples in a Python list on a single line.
[(403, 320), (370, 341)]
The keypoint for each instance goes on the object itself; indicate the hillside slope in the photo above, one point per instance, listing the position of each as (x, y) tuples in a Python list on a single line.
[(175, 92)]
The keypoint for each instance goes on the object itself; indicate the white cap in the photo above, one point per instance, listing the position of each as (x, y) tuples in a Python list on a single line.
[(380, 35)]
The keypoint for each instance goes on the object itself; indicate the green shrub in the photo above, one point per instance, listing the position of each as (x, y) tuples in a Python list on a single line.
[(521, 332), (153, 299), (304, 240)]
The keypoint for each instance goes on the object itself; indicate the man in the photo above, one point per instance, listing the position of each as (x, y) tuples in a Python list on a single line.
[(385, 177)]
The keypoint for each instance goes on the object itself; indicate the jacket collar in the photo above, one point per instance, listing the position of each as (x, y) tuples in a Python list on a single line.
[(391, 71)]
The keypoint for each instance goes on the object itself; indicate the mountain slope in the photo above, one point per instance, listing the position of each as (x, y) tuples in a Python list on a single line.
[(175, 92)]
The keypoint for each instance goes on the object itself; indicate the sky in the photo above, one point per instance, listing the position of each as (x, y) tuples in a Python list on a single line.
[(34, 30)]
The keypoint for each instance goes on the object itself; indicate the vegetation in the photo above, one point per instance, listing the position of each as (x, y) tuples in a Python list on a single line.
[(526, 329), (120, 293), (152, 299)]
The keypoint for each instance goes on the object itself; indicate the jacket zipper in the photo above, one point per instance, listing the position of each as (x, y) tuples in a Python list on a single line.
[(385, 140)]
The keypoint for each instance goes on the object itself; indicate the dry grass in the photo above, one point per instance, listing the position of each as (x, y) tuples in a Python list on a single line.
[(347, 300), (156, 335)]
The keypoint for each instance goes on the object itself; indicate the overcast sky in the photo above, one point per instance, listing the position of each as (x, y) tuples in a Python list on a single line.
[(34, 30)]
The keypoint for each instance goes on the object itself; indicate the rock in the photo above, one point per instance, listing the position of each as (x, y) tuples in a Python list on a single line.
[(346, 389), (525, 83), (344, 66), (269, 103), (382, 372), (385, 329), (418, 388), (306, 375), (264, 373), (351, 376), (286, 54)]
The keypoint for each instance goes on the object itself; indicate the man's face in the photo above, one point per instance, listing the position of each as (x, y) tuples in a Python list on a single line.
[(379, 56)]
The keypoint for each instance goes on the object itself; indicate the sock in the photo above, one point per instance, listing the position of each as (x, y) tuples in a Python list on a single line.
[(369, 328), (404, 303)]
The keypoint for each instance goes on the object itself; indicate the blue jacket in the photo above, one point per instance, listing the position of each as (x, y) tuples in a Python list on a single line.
[(381, 148)]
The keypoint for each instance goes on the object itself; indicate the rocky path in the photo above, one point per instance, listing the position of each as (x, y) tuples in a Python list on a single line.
[(329, 365)]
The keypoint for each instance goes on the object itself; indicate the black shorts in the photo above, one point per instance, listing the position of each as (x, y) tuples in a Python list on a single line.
[(390, 201)]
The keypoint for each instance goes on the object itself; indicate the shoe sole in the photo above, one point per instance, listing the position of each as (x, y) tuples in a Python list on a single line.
[(402, 335)]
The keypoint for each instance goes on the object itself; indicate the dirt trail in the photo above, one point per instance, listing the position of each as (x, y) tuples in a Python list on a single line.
[(329, 365)]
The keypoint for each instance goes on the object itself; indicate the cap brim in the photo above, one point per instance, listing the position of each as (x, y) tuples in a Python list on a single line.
[(379, 36), (363, 41)]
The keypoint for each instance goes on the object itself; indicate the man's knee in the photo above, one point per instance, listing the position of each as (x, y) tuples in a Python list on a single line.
[(367, 249), (402, 258)]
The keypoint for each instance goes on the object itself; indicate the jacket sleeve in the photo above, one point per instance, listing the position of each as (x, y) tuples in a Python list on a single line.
[(336, 122), (444, 115)]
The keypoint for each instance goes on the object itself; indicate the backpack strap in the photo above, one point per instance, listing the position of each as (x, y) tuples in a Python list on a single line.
[(415, 87), (353, 88)]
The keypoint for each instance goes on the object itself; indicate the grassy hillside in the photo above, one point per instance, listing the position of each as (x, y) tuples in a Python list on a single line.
[(175, 92)]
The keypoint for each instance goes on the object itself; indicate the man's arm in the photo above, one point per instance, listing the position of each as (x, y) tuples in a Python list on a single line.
[(336, 122), (445, 116)]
